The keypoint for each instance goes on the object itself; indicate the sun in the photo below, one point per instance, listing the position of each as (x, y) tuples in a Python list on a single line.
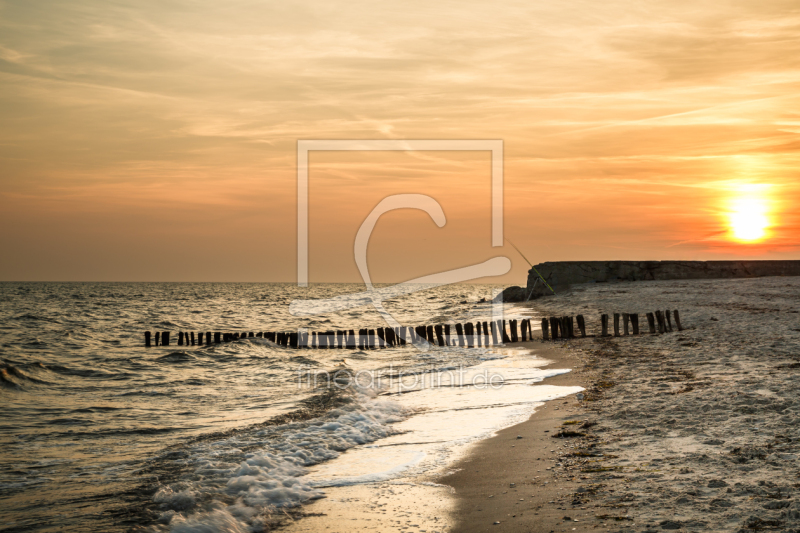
[(747, 217)]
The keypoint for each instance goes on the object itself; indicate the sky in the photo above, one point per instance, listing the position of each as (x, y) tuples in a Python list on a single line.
[(157, 141)]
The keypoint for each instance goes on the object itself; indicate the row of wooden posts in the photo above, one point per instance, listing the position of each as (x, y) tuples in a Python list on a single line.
[(470, 335), (564, 327)]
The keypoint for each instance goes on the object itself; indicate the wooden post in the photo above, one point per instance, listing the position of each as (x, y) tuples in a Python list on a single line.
[(469, 333), (513, 325), (165, 338), (460, 334), (447, 339), (494, 333), (293, 340), (677, 320), (668, 314), (381, 338), (350, 339), (371, 339), (217, 337), (662, 328), (147, 339), (616, 324), (604, 325), (571, 326), (486, 333), (331, 339), (478, 334), (419, 334), (635, 323), (199, 338), (625, 318), (180, 338), (553, 327), (191, 337), (506, 339), (158, 338), (387, 337), (340, 339), (429, 334), (545, 330), (581, 325), (439, 334), (651, 322)]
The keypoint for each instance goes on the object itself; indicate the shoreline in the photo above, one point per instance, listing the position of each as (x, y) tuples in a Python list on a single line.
[(695, 431), (507, 478), (420, 501)]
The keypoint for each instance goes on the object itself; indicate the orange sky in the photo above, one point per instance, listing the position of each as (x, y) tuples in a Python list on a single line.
[(157, 140)]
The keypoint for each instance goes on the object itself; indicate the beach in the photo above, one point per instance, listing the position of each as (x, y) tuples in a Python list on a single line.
[(693, 430)]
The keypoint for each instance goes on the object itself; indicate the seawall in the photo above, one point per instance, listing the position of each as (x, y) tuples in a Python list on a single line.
[(561, 274)]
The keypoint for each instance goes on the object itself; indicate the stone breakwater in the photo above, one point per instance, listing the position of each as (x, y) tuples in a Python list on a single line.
[(560, 275)]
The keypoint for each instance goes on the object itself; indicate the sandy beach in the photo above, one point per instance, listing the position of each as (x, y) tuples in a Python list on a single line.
[(694, 430)]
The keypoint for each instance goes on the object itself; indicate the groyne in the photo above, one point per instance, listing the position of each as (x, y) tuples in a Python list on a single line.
[(560, 275)]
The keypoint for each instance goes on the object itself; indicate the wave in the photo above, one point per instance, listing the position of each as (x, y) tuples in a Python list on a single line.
[(80, 372), (11, 377), (29, 317), (176, 357), (270, 474)]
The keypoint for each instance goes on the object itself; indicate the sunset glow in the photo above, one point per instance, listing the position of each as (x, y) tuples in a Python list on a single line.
[(133, 132)]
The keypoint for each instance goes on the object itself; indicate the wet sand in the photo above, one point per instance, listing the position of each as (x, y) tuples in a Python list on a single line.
[(509, 478)]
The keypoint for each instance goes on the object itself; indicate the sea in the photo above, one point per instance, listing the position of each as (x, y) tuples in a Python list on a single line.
[(100, 433)]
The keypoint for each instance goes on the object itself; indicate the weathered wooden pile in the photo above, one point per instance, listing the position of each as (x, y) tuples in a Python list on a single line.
[(489, 333), (554, 328)]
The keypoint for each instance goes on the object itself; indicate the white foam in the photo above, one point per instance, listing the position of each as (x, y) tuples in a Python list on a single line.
[(273, 477)]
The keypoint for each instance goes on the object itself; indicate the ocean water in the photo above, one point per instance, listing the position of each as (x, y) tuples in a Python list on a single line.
[(99, 433)]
